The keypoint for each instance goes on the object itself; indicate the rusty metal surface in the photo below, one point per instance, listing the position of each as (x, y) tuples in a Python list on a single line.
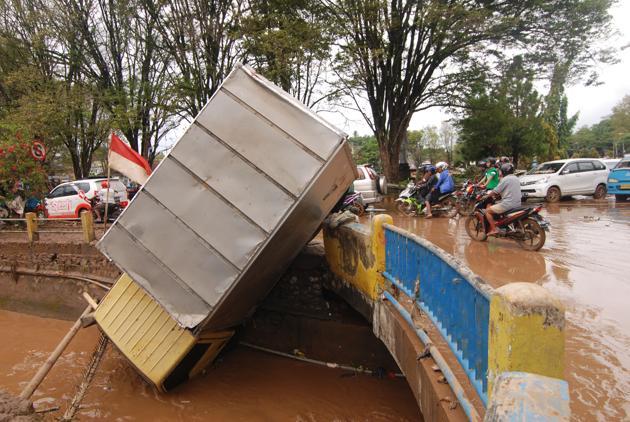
[(238, 196)]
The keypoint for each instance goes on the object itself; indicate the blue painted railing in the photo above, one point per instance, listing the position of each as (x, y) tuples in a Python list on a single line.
[(456, 300)]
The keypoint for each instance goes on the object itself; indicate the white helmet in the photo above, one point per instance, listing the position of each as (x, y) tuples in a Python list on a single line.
[(441, 165)]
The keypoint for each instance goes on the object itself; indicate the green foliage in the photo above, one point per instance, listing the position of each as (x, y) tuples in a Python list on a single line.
[(289, 42), (426, 145), (608, 137), (620, 119), (18, 166), (405, 56), (551, 141), (504, 118), (365, 151), (558, 125)]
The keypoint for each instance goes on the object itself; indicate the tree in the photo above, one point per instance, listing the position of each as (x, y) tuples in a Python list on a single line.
[(365, 150), (117, 43), (290, 43), (558, 125), (17, 166), (504, 119), (620, 122), (448, 138), (201, 39), (407, 56), (426, 144)]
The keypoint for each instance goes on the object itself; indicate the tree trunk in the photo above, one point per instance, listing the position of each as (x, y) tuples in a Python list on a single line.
[(390, 160)]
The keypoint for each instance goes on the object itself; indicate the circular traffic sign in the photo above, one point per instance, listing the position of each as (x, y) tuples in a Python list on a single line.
[(38, 151)]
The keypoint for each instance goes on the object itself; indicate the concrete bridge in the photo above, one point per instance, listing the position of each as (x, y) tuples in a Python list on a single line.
[(467, 350)]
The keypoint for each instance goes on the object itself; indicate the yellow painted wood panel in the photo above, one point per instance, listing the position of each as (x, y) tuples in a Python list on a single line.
[(148, 336)]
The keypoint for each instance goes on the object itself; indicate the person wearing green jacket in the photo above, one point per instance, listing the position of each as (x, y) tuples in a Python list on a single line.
[(491, 177)]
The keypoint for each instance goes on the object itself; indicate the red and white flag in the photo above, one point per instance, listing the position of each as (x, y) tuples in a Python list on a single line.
[(125, 160)]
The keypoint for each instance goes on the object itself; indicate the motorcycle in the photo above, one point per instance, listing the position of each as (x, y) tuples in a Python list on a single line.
[(352, 202), (466, 198), (523, 224), (408, 204), (113, 211), (406, 198)]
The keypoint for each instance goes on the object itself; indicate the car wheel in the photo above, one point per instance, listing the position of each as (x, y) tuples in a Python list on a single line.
[(621, 198), (600, 192), (553, 194)]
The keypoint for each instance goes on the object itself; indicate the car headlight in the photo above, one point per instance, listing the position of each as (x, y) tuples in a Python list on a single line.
[(613, 180), (535, 182)]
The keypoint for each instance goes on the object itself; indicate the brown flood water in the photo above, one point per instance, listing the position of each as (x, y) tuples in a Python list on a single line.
[(245, 385), (586, 263)]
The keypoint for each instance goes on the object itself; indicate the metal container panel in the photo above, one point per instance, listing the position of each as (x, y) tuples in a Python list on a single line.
[(300, 226), (149, 272), (236, 199), (180, 249), (211, 217), (309, 131), (263, 145), (247, 189)]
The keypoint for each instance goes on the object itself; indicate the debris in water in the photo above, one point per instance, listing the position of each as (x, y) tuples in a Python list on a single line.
[(15, 409), (591, 218)]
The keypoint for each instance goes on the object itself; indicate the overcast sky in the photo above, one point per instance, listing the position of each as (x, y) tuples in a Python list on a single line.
[(592, 103)]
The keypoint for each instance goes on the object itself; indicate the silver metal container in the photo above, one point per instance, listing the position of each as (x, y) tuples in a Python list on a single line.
[(241, 192)]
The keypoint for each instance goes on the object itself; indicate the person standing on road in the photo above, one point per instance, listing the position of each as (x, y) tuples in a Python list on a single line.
[(104, 196), (509, 188)]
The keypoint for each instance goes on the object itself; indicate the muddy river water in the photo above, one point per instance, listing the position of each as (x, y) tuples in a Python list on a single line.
[(246, 385), (586, 263)]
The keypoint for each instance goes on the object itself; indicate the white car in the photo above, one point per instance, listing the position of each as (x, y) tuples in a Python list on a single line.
[(611, 162), (370, 185), (554, 179), (69, 200)]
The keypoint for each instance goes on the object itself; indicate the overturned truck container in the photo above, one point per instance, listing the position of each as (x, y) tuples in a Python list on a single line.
[(217, 223)]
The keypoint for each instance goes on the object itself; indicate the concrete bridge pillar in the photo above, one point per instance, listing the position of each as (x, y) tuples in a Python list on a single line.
[(526, 332)]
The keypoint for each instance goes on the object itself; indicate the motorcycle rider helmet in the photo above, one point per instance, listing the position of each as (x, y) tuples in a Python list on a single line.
[(441, 165), (481, 163), (491, 161), (507, 168), (104, 184), (431, 169)]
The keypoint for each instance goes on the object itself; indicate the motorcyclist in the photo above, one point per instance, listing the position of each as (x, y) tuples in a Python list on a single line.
[(443, 186), (491, 177), (424, 186), (509, 188), (104, 196)]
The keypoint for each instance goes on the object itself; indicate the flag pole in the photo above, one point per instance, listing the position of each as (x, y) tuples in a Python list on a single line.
[(108, 175)]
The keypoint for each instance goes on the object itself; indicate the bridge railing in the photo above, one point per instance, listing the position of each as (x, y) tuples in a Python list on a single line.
[(456, 301), (508, 340)]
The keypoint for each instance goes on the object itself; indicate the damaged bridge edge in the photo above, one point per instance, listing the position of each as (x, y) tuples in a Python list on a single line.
[(525, 342)]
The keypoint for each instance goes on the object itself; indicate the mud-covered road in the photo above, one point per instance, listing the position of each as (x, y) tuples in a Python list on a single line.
[(586, 263)]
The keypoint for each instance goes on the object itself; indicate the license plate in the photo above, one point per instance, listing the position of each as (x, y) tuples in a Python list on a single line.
[(626, 186)]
